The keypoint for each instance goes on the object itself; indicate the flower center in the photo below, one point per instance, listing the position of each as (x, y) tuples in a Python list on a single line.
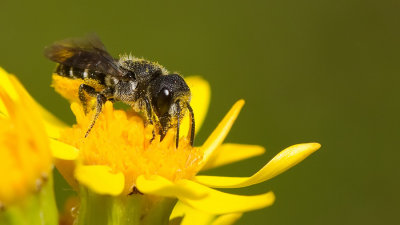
[(121, 141)]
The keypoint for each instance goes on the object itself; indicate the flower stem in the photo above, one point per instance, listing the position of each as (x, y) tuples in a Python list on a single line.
[(136, 209)]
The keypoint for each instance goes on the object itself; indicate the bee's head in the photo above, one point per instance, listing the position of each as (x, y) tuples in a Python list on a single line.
[(170, 97)]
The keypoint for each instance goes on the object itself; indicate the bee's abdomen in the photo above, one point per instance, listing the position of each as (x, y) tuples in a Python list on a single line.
[(76, 73)]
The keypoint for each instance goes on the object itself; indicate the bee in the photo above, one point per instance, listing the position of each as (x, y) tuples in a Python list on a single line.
[(163, 98)]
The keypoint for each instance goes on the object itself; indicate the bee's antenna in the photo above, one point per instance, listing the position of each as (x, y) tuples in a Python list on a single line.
[(178, 124), (192, 125)]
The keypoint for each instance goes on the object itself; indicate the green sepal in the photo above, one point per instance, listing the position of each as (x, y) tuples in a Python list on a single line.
[(135, 209), (38, 208)]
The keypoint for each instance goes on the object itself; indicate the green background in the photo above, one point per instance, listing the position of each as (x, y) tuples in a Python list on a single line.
[(325, 71)]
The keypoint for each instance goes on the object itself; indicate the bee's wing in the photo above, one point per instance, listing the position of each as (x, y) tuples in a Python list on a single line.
[(84, 53)]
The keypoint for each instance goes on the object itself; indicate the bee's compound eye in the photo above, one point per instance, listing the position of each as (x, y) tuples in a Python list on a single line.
[(131, 75), (164, 100)]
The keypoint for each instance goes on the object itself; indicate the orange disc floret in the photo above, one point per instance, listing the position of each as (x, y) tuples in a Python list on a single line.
[(121, 141)]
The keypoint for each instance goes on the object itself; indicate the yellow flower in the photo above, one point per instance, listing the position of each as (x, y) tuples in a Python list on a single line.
[(117, 158), (117, 161), (26, 188)]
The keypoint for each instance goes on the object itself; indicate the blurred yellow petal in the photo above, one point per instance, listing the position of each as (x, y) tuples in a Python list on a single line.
[(8, 87), (230, 153), (190, 215), (25, 156), (216, 202), (100, 179), (8, 82), (218, 135), (3, 110), (60, 150), (52, 124), (201, 94), (283, 161), (227, 219), (157, 185)]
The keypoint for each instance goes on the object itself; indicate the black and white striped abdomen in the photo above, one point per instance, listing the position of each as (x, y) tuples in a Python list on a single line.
[(76, 73)]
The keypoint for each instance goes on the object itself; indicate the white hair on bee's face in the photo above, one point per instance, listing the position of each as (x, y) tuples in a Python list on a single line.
[(173, 110), (133, 85)]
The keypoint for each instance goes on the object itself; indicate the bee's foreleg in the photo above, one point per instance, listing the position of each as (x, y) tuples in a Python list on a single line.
[(178, 124), (192, 125), (100, 100), (109, 93), (85, 90), (154, 135), (149, 116)]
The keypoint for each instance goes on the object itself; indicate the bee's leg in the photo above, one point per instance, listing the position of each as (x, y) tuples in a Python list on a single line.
[(192, 125), (83, 90), (108, 93), (100, 99), (178, 124), (149, 116), (135, 191), (154, 135)]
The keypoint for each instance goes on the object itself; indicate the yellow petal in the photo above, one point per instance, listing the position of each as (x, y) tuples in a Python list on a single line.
[(190, 215), (201, 197), (193, 216), (24, 149), (157, 185), (8, 82), (283, 161), (52, 124), (230, 153), (100, 179), (222, 130), (201, 93), (216, 202), (179, 210), (8, 87), (227, 219), (60, 150)]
